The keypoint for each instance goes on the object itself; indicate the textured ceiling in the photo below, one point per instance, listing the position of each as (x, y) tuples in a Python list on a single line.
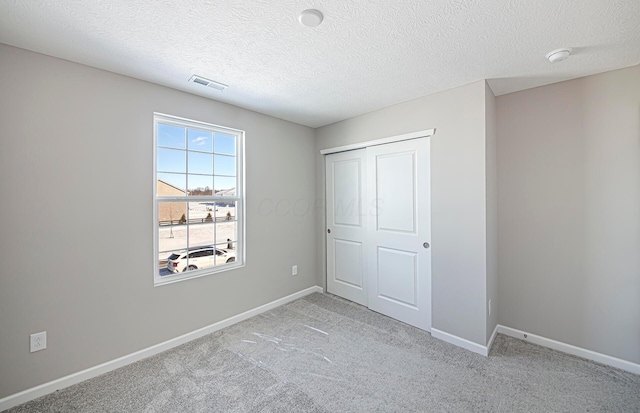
[(364, 56)]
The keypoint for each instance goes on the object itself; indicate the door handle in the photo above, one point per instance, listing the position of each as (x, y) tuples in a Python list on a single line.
[(328, 231), (426, 245)]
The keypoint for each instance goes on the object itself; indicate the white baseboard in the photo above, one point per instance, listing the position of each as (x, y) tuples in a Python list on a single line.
[(570, 349), (46, 388), (462, 342), (492, 339)]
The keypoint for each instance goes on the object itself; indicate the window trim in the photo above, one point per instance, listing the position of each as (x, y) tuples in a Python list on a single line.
[(240, 199)]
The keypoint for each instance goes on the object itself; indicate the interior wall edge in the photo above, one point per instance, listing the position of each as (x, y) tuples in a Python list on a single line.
[(461, 342)]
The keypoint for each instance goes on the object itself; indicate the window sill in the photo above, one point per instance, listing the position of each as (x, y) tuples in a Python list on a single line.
[(171, 279)]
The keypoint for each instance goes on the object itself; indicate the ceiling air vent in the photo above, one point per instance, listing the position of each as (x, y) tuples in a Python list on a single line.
[(209, 83)]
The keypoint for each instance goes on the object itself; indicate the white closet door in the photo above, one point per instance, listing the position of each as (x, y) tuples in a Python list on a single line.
[(397, 251), (346, 225)]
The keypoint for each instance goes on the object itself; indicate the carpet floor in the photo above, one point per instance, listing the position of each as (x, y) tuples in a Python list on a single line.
[(324, 354)]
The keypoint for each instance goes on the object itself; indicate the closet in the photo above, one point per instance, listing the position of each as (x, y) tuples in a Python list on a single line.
[(378, 226)]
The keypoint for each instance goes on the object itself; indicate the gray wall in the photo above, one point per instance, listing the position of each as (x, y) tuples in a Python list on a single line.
[(76, 226), (492, 210), (76, 152), (569, 202), (458, 205)]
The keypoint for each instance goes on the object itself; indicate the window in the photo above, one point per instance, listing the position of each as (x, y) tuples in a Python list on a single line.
[(198, 199)]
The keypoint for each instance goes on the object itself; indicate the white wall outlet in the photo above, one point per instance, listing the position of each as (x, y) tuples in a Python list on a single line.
[(294, 270), (489, 308), (38, 341)]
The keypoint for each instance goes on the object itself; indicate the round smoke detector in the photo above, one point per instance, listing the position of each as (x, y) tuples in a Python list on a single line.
[(558, 54), (310, 18)]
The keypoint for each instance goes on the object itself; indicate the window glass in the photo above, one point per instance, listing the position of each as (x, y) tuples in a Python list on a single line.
[(200, 163), (171, 160), (198, 207), (225, 165), (224, 185), (200, 140), (224, 144), (171, 136)]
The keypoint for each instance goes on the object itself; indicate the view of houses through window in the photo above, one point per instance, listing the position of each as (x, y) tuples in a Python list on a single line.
[(198, 214)]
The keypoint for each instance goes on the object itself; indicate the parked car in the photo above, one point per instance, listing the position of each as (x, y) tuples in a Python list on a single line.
[(203, 257)]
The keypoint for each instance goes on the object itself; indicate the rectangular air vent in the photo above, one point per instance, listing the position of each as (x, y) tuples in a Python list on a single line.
[(207, 82)]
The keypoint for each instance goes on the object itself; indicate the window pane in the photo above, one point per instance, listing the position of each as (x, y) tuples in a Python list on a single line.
[(200, 140), (171, 184), (200, 163), (227, 246), (225, 255), (171, 160), (226, 233), (171, 262), (209, 208), (172, 232), (225, 144), (200, 253), (201, 225), (225, 211), (171, 136), (224, 186), (201, 232), (200, 185), (225, 165), (226, 227)]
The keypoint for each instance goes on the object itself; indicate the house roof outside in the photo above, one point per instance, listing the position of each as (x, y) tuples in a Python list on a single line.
[(226, 192), (172, 186)]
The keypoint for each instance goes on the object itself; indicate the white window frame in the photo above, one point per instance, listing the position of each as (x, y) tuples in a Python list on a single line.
[(239, 198)]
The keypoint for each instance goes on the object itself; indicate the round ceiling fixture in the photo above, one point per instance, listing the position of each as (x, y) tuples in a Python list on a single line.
[(310, 18), (558, 54)]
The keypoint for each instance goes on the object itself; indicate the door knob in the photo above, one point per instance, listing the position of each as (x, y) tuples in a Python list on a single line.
[(426, 245), (328, 231)]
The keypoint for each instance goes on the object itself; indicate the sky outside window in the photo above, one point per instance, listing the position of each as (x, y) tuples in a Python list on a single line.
[(225, 165), (171, 136), (171, 160), (200, 141), (186, 152), (202, 182), (225, 144), (200, 163)]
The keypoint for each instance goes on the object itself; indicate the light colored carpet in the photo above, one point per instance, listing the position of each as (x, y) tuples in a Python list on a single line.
[(324, 354)]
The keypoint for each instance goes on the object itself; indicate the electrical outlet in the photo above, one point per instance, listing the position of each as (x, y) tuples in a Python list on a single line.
[(38, 341), (489, 308), (294, 270)]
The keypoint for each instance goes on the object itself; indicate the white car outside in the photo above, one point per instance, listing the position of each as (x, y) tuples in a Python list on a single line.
[(199, 258)]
